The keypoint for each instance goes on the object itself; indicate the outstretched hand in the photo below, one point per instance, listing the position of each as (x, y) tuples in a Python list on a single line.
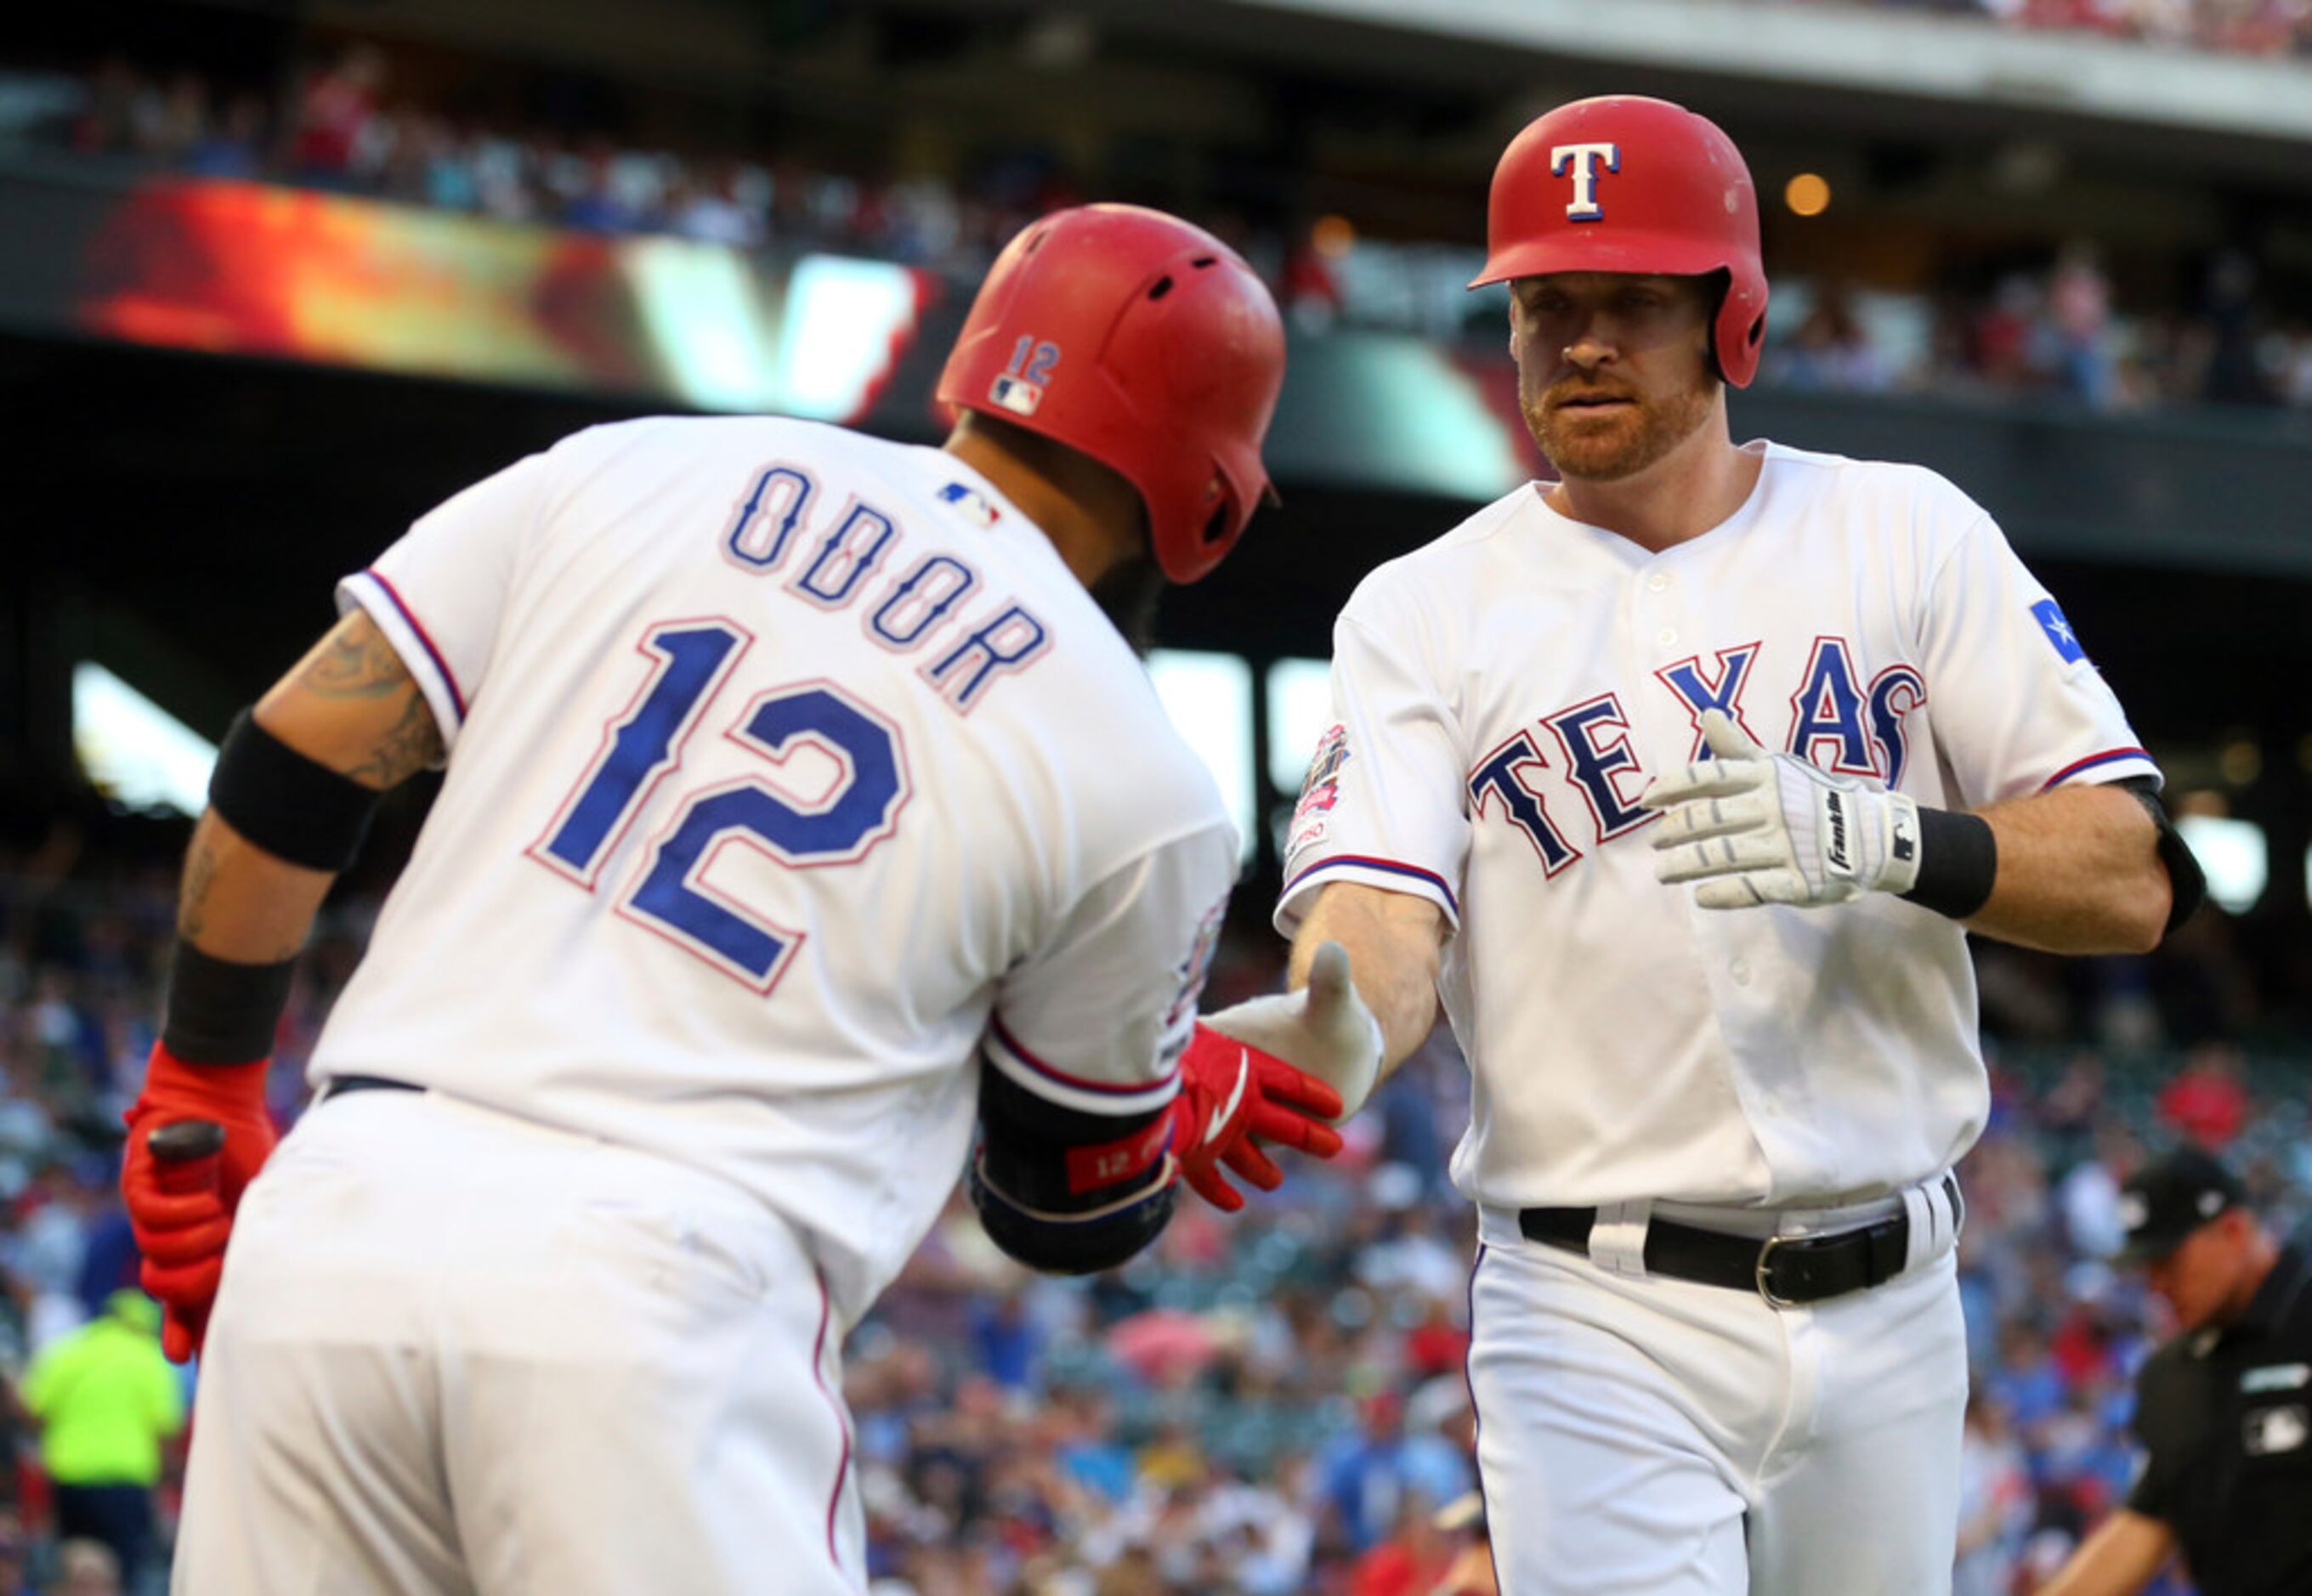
[(1231, 1092), (1325, 1028)]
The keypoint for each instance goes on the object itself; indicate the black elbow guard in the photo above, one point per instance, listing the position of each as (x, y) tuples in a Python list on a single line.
[(2187, 884), (1080, 1243), (1063, 1191)]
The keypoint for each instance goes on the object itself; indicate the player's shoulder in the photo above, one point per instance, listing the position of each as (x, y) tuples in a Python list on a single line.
[(1136, 777), (1437, 569), (1885, 488), (771, 437)]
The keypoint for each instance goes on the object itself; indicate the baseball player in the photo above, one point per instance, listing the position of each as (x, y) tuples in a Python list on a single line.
[(1681, 782), (802, 808)]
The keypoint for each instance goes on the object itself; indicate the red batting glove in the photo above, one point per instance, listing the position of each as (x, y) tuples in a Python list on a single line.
[(182, 1212), (1231, 1092)]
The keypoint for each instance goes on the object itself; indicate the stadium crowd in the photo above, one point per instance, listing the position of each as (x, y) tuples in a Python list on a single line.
[(2053, 328), (2233, 27), (1268, 1404)]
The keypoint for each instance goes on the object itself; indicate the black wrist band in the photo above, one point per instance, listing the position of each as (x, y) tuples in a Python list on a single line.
[(219, 1012), (1958, 862), (295, 808)]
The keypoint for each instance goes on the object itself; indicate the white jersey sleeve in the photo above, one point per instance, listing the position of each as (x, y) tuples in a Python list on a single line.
[(1096, 1019), (2019, 707), (1380, 804), (438, 592)]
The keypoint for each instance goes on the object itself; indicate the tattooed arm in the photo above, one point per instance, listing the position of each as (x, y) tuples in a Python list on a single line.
[(350, 704)]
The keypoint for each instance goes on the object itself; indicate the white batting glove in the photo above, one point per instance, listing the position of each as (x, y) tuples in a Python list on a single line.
[(1755, 827), (1325, 1028)]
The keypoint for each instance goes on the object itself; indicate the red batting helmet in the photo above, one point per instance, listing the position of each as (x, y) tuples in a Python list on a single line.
[(1625, 184), (1145, 343)]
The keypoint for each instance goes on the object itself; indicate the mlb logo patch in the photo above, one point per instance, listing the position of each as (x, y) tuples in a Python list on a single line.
[(1016, 394), (974, 506), (2267, 1431), (2050, 617)]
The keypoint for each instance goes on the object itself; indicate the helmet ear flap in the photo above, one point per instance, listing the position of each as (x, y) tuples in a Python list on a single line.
[(1721, 284)]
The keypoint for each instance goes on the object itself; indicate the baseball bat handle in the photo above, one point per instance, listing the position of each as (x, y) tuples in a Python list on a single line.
[(185, 1151)]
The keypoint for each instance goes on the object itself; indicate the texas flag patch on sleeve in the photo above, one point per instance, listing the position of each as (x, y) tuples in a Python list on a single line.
[(2050, 617)]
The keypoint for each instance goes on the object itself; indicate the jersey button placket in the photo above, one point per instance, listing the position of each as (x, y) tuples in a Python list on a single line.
[(1656, 586)]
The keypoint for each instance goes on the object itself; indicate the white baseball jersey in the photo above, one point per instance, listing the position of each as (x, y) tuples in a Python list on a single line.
[(1504, 694), (783, 764)]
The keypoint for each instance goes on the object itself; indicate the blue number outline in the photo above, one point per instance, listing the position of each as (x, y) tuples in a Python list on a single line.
[(788, 940), (669, 758)]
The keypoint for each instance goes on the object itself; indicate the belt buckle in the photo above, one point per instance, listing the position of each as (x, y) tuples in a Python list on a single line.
[(1765, 1275)]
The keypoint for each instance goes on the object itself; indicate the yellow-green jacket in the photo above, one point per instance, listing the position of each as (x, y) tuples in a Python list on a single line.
[(106, 1397)]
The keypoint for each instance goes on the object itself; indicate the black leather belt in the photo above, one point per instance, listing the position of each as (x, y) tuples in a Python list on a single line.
[(340, 1084), (1786, 1271)]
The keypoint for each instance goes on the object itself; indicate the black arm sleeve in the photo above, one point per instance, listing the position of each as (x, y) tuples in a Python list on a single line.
[(2187, 884), (1065, 1191)]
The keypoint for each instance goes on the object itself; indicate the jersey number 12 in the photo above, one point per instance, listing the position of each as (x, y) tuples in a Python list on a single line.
[(692, 662)]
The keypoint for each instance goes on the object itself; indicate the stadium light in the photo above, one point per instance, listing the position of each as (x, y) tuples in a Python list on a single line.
[(1299, 708), (1209, 698), (133, 751), (2235, 855)]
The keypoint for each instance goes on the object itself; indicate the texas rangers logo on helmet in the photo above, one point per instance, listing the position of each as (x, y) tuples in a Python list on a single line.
[(1584, 160)]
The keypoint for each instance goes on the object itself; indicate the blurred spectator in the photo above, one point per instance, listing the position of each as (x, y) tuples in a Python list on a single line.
[(14, 1552), (712, 214), (1995, 1492), (1367, 1474), (107, 123), (2087, 1199), (106, 1399), (88, 1568), (2206, 1102), (330, 139), (1830, 350), (1311, 293), (597, 201), (2002, 339), (1416, 1555), (1471, 1572), (1006, 1345), (2078, 329), (166, 124), (2233, 375), (233, 147)]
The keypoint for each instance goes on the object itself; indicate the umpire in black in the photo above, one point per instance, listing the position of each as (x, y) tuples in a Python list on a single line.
[(2224, 1411)]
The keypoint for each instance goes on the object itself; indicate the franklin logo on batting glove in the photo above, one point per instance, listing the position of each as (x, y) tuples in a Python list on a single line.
[(1754, 827)]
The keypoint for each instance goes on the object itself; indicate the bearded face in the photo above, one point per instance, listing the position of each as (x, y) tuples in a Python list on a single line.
[(1613, 372)]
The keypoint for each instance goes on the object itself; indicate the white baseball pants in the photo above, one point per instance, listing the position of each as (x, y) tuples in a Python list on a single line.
[(456, 1352), (1650, 1436)]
